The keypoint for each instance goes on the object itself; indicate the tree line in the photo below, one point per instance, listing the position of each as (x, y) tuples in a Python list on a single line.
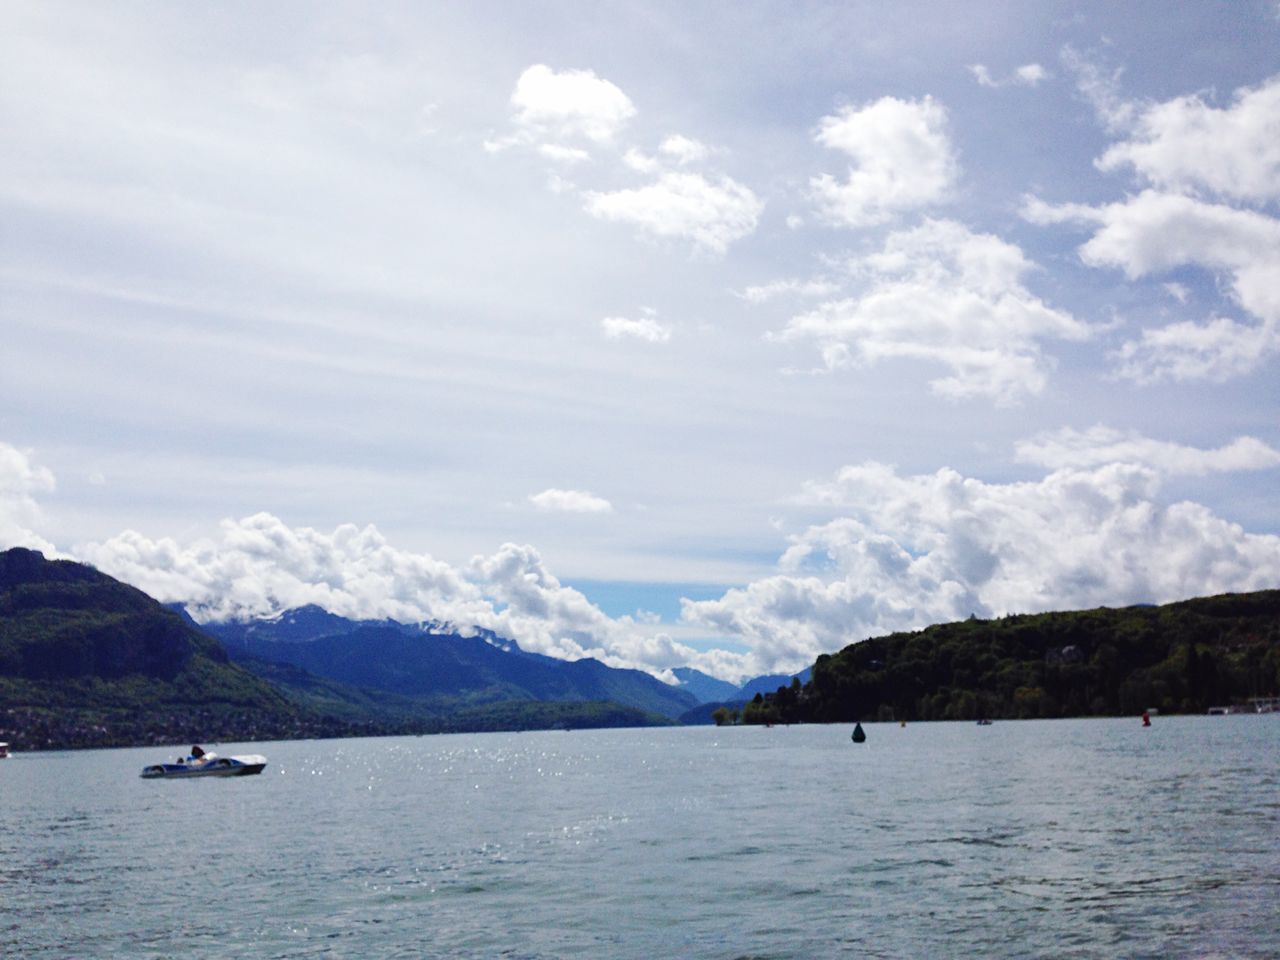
[(1178, 658)]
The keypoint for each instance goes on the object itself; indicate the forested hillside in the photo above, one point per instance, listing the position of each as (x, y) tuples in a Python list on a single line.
[(1178, 658)]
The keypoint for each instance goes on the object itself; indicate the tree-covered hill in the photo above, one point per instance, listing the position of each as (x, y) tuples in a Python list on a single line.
[(86, 660), (1178, 658)]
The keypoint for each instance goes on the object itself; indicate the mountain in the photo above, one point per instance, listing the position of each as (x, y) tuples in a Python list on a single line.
[(86, 660), (705, 687), (429, 661), (769, 683)]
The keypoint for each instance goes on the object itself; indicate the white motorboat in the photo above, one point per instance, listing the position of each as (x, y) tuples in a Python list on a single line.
[(4, 751), (205, 764)]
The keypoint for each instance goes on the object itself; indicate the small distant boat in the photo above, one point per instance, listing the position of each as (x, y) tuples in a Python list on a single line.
[(204, 764), (4, 751), (984, 722)]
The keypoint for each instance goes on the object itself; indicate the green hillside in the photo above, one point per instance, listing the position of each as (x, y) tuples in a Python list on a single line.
[(1178, 658), (88, 661)]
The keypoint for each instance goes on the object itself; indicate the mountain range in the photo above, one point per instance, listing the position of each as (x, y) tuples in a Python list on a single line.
[(446, 667), (86, 660)]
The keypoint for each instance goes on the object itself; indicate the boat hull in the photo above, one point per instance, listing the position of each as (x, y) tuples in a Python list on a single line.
[(216, 767)]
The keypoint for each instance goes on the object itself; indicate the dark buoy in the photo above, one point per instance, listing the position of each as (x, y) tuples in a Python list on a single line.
[(1146, 719), (858, 735)]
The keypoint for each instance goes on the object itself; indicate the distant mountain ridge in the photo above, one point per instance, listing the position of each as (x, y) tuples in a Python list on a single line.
[(706, 688), (430, 660)]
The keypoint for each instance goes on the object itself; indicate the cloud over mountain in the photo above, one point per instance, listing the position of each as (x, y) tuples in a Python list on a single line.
[(898, 552), (907, 551)]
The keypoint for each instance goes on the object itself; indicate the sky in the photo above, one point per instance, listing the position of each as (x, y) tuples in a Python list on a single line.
[(665, 333)]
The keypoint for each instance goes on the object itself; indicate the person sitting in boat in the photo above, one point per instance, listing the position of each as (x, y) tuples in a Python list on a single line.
[(196, 752)]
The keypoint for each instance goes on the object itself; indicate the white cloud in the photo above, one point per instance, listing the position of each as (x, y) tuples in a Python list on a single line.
[(1217, 350), (1155, 232), (686, 205), (569, 104), (561, 114), (915, 550), (20, 481), (1187, 150), (983, 75), (1185, 145), (902, 160), (640, 162), (570, 501), (551, 618), (1101, 89), (1101, 445), (561, 154), (762, 293), (683, 150), (1027, 75), (1030, 74), (260, 566), (646, 328), (943, 294)]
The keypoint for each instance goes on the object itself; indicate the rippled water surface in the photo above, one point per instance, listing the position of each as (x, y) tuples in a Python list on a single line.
[(1056, 839)]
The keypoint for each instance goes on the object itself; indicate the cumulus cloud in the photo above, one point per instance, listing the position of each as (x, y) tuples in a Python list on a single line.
[(567, 116), (555, 500), (260, 566), (902, 160), (1217, 350), (646, 328), (21, 480), (908, 551), (1186, 145), (1100, 445), (1196, 160), (552, 106), (711, 213), (1155, 232), (943, 294), (1027, 75)]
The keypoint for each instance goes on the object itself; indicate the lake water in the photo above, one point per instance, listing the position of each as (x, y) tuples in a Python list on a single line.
[(1081, 838)]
